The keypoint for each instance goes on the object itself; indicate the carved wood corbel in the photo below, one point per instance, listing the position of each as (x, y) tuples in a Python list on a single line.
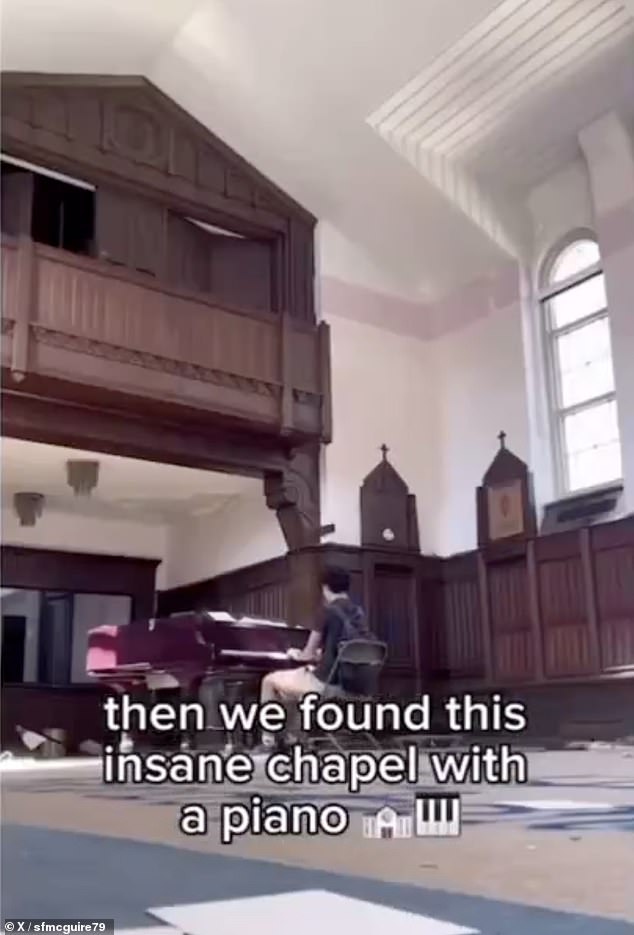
[(294, 495)]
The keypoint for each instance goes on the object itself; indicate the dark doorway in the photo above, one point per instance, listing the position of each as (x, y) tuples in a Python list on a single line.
[(13, 646)]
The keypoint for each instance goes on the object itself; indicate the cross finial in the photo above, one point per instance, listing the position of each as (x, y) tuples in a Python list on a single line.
[(502, 439), (384, 450)]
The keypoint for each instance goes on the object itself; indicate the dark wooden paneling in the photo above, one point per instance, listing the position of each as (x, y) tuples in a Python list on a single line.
[(532, 611), (511, 635), (136, 322), (393, 608), (54, 570), (241, 273), (87, 322), (260, 590), (124, 132), (107, 422), (613, 566), (457, 639), (232, 271), (188, 264), (430, 612), (17, 202), (130, 232), (562, 599)]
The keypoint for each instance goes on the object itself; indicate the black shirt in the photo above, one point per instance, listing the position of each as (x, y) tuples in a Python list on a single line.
[(341, 620)]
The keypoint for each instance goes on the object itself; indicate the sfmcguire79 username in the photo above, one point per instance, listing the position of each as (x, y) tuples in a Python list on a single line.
[(59, 926)]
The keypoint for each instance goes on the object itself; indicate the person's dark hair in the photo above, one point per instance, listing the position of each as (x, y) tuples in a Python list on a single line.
[(337, 579)]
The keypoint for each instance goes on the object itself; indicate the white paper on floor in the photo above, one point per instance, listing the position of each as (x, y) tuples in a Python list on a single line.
[(23, 764), (157, 930), (310, 911), (560, 805)]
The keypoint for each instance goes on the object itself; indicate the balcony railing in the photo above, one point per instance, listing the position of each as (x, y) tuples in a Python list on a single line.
[(84, 321)]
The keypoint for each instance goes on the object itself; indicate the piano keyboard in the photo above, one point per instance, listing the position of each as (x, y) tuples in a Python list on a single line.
[(252, 654), (438, 816)]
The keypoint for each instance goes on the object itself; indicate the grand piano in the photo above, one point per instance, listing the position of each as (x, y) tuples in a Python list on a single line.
[(203, 656)]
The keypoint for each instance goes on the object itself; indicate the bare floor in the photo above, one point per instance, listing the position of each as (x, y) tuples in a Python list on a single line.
[(564, 840)]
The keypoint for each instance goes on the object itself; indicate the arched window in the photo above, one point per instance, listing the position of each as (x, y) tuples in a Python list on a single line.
[(582, 396)]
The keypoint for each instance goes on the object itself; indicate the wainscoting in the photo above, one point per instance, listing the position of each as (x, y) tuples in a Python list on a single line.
[(550, 620)]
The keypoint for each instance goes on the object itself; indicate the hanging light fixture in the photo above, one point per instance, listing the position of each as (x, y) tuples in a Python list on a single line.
[(28, 507), (82, 476)]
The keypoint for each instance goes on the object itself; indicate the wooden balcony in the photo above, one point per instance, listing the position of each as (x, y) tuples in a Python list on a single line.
[(95, 327)]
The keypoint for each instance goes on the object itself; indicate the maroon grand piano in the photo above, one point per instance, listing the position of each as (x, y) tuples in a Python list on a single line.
[(197, 654)]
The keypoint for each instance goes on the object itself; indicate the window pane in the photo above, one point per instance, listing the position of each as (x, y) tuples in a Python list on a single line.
[(574, 259), (584, 361), (592, 448), (577, 302), (591, 427), (595, 466)]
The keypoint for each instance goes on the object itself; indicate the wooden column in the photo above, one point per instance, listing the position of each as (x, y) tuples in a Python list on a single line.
[(24, 307), (535, 614), (303, 587), (325, 382), (594, 638), (485, 617), (286, 398)]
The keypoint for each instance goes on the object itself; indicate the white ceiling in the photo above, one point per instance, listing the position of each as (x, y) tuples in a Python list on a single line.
[(142, 491), (414, 127)]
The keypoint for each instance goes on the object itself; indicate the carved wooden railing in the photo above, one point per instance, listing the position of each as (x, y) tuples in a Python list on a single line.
[(81, 320)]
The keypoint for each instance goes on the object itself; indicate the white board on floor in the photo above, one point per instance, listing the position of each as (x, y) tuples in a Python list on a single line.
[(311, 912), (157, 930), (560, 805)]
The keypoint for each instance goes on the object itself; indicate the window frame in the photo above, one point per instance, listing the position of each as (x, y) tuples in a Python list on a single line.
[(557, 412)]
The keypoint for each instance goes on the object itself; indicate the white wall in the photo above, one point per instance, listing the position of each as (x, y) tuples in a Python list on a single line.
[(439, 392), (608, 148), (383, 392), (479, 391), (243, 531), (558, 205), (60, 530)]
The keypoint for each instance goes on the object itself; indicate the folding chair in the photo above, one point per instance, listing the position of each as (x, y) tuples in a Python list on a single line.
[(368, 657)]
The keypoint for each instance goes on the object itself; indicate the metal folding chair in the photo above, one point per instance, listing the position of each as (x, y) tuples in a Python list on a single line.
[(368, 657)]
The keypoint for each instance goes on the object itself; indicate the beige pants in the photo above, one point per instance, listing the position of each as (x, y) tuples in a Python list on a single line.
[(289, 686)]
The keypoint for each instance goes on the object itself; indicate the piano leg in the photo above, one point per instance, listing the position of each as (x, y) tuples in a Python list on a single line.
[(190, 693), (237, 690)]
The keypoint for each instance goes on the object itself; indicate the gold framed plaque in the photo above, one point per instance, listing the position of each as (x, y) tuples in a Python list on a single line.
[(505, 509)]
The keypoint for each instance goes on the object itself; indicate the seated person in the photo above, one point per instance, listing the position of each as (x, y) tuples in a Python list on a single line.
[(340, 620)]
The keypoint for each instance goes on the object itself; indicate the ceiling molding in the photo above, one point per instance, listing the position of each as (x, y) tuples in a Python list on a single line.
[(462, 109)]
